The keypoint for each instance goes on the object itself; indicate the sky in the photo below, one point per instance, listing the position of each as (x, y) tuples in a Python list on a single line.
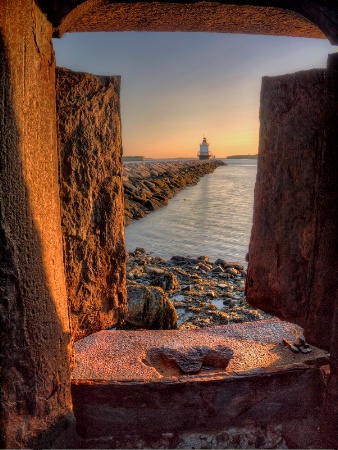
[(177, 87)]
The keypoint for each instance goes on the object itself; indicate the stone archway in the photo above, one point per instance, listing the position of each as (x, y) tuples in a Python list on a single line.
[(35, 348), (307, 18)]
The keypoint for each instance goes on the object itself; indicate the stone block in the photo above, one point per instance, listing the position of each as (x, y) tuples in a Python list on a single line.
[(34, 323), (89, 136), (294, 241), (141, 386)]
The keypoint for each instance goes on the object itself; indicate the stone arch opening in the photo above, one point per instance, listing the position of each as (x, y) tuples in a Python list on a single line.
[(34, 102), (159, 361), (165, 361), (95, 319), (283, 17)]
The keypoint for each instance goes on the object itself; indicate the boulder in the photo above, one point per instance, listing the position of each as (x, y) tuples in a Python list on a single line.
[(140, 250), (136, 272), (150, 308), (203, 258), (229, 264), (178, 258), (167, 281), (154, 271)]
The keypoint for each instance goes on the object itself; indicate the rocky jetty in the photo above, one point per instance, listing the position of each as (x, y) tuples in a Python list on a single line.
[(203, 293), (147, 186)]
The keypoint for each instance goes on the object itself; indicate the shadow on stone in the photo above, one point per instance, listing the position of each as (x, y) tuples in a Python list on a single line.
[(34, 348)]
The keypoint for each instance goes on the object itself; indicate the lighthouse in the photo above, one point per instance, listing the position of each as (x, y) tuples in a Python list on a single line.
[(204, 150)]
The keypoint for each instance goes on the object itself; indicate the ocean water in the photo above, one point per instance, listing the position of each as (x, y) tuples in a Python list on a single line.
[(212, 218)]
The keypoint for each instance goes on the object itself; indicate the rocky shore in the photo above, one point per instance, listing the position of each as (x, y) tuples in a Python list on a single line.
[(149, 185), (185, 292)]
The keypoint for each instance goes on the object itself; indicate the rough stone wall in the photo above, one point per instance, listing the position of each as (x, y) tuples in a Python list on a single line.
[(329, 422), (88, 111), (34, 322), (292, 258), (190, 16)]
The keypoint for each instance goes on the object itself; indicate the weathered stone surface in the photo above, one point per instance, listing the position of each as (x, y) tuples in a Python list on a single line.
[(89, 132), (329, 411), (198, 16), (149, 307), (34, 322), (124, 386), (257, 347), (292, 269), (147, 186)]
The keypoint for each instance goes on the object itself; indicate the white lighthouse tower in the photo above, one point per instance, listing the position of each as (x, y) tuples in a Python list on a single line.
[(204, 150)]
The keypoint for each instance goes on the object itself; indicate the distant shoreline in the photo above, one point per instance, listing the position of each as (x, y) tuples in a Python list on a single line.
[(242, 157)]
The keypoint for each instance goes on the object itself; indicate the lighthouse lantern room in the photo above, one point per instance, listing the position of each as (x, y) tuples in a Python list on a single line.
[(204, 150)]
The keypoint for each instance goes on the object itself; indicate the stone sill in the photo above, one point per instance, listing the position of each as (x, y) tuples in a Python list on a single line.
[(265, 384)]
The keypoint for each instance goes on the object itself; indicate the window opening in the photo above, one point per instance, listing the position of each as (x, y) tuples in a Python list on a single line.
[(175, 88)]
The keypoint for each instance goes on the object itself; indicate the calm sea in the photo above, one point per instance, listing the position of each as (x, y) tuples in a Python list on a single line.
[(212, 218)]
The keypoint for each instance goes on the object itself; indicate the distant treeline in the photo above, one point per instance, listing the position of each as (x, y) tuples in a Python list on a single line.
[(242, 157)]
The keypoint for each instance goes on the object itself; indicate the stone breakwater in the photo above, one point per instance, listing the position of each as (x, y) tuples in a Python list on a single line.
[(147, 186)]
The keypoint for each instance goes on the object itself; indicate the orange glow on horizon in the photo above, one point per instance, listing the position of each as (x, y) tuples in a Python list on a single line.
[(171, 96), (240, 139)]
